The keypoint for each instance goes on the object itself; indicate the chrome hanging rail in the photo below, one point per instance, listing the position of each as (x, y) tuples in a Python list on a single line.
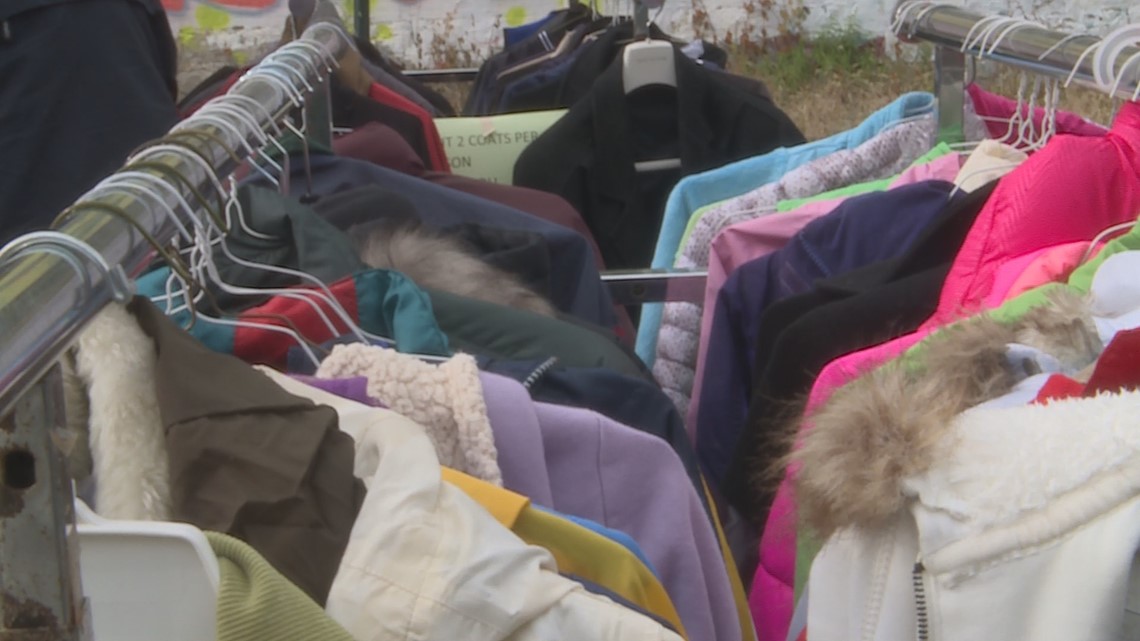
[(46, 298)]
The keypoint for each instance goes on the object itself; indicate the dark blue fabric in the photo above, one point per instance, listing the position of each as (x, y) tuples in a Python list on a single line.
[(519, 95), (634, 402), (575, 286), (81, 85), (862, 230), (514, 35)]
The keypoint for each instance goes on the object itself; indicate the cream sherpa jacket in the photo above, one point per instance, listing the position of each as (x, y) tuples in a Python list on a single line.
[(446, 399)]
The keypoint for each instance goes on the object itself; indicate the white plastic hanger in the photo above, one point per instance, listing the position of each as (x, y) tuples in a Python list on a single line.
[(147, 580), (648, 62), (905, 9), (645, 63), (1026, 138)]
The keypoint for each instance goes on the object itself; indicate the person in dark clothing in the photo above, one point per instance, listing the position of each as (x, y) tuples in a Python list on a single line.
[(82, 83)]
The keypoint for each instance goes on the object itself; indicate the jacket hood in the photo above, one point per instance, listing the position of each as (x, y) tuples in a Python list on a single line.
[(439, 261), (893, 423)]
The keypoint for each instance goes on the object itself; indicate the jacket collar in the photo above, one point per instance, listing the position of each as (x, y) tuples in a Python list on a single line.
[(612, 118), (929, 250), (187, 374), (896, 423)]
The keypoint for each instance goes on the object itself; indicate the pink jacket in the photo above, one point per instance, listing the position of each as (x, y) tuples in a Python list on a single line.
[(1066, 193), (990, 106)]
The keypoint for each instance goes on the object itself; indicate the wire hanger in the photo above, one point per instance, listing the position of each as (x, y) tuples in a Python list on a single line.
[(322, 292), (190, 302), (142, 182), (221, 123), (270, 67)]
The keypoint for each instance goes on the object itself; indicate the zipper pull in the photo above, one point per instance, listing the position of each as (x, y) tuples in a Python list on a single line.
[(921, 615)]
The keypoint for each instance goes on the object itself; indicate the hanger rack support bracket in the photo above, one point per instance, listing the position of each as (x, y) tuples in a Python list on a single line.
[(40, 597), (950, 87)]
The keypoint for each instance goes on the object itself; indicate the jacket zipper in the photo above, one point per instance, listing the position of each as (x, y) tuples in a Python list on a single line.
[(539, 372), (922, 615)]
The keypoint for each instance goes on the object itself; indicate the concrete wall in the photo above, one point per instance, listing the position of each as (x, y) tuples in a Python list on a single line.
[(459, 33)]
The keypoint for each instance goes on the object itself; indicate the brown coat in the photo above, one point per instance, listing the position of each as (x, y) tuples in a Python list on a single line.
[(250, 460)]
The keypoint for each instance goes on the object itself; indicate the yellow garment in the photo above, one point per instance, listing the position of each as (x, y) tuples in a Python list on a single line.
[(739, 596), (577, 550)]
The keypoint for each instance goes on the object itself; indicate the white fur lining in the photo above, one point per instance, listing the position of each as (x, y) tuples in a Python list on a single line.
[(116, 361), (1023, 475)]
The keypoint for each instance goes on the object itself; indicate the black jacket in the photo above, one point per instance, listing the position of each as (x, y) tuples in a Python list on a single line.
[(599, 55), (82, 84), (799, 336), (588, 156)]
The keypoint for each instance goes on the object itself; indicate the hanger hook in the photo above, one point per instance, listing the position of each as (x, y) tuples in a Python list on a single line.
[(131, 177), (276, 79), (253, 105), (322, 51), (186, 154), (1120, 76), (301, 58), (217, 120), (73, 251), (271, 63), (969, 41), (1008, 31), (337, 31), (249, 119)]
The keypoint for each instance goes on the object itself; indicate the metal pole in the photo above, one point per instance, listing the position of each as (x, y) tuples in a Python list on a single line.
[(950, 87), (40, 596), (1041, 51), (44, 303), (362, 19)]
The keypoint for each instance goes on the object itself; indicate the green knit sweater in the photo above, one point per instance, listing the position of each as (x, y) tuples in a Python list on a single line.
[(256, 603)]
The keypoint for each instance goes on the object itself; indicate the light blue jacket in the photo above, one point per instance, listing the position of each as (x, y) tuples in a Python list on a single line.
[(741, 177)]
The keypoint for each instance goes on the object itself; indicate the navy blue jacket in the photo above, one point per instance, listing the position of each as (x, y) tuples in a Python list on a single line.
[(575, 286), (863, 230)]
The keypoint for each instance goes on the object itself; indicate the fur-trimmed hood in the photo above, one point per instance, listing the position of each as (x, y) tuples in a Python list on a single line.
[(893, 423), (440, 261)]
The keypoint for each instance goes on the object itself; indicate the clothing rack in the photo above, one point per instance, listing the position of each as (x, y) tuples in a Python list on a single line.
[(53, 283), (958, 33)]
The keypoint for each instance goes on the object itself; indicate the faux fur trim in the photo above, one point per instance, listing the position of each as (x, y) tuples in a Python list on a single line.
[(433, 259), (1014, 461), (116, 362), (894, 423), (446, 400)]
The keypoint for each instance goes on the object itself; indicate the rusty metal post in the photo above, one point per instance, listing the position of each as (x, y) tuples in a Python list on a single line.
[(41, 598)]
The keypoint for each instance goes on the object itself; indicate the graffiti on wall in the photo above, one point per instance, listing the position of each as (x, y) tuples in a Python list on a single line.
[(461, 33)]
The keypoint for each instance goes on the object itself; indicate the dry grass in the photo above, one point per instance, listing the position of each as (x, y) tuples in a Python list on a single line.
[(834, 81)]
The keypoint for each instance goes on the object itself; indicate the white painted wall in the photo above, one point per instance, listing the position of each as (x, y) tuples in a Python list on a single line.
[(457, 33)]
